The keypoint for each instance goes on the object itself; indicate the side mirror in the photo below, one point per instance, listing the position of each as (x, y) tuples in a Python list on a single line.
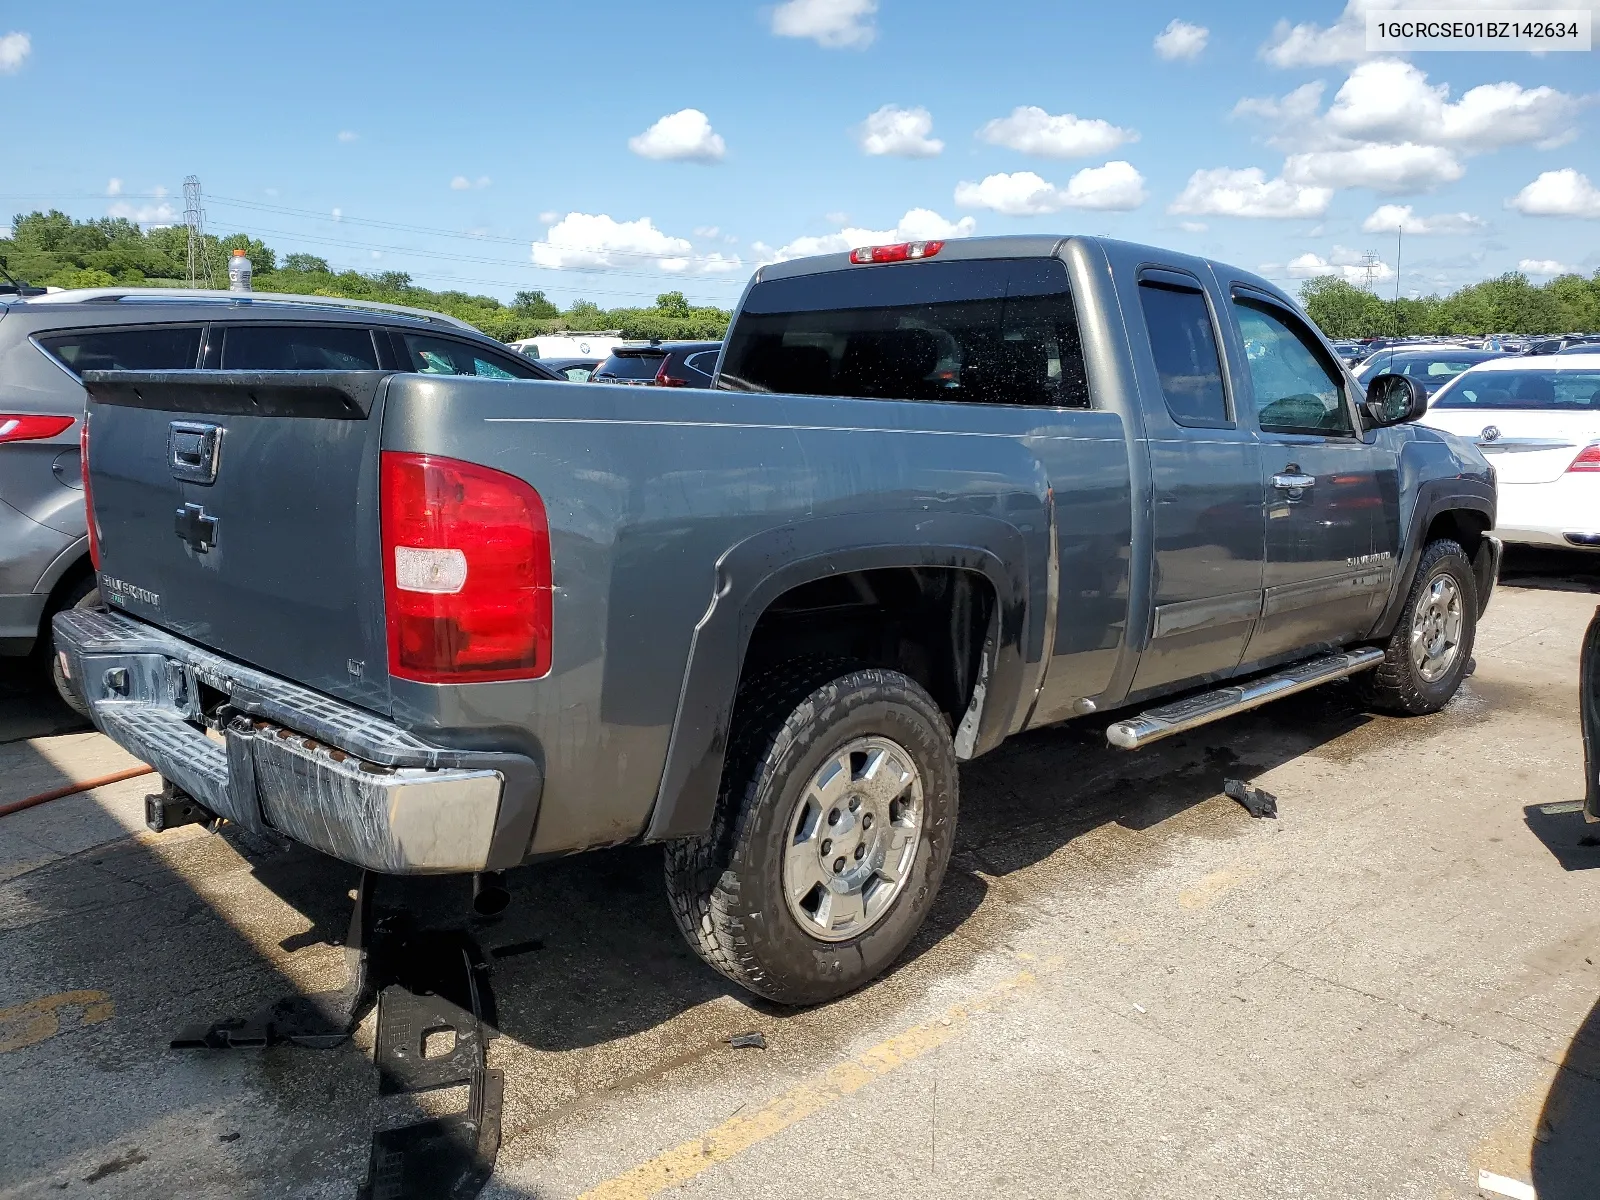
[(1394, 400)]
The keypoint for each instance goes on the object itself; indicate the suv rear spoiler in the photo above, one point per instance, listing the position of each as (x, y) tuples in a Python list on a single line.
[(335, 395)]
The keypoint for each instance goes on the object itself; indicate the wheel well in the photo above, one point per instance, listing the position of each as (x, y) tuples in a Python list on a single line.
[(1460, 525), (929, 623)]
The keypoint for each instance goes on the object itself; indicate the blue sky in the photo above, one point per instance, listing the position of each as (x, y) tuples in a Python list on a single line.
[(1262, 136)]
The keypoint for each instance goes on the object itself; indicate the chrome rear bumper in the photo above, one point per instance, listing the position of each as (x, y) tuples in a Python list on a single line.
[(293, 761)]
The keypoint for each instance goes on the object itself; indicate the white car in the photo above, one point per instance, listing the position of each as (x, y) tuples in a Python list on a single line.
[(1537, 420)]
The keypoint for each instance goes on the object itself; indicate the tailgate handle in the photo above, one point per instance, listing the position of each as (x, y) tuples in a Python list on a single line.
[(192, 451)]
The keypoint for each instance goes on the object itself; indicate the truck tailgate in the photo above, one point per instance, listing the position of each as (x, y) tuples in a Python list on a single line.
[(239, 511)]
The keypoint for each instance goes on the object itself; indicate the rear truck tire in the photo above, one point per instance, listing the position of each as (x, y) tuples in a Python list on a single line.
[(1430, 651), (84, 594), (833, 828)]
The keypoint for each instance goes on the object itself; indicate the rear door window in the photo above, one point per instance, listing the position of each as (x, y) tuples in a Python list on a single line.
[(985, 331), (298, 348), (148, 348), (1184, 344), (1297, 388), (428, 355)]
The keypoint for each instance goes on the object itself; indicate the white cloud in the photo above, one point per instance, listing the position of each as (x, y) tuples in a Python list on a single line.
[(835, 24), (348, 135), (1115, 187), (706, 231), (114, 187), (1193, 226), (683, 136), (1563, 193), (1033, 131), (1308, 44), (1384, 167), (549, 218), (159, 213), (1387, 218), (1348, 264), (918, 225), (1389, 100), (338, 214), (1546, 266), (14, 50), (600, 243), (461, 183), (1181, 40), (1224, 192), (901, 132)]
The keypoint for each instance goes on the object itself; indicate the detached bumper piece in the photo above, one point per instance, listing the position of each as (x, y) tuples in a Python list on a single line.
[(294, 762)]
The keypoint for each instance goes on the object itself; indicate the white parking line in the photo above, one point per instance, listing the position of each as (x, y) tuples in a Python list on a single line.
[(1488, 1181)]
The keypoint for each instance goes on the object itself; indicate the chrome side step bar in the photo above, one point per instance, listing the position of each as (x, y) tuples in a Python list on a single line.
[(1157, 723)]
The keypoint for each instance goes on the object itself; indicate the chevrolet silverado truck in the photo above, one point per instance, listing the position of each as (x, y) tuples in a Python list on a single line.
[(941, 493)]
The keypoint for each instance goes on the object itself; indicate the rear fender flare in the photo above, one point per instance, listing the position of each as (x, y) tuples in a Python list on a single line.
[(755, 572)]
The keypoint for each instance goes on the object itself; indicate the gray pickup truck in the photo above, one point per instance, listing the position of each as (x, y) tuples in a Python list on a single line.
[(942, 493)]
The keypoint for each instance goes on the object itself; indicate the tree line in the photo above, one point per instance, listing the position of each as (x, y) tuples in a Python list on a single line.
[(1507, 304), (51, 249)]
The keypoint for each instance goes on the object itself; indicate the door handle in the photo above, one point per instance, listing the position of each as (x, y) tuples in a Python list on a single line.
[(1293, 482)]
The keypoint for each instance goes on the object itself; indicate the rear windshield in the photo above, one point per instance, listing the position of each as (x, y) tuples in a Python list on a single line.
[(1554, 391), (989, 331), (1434, 372), (298, 348), (151, 348), (632, 365)]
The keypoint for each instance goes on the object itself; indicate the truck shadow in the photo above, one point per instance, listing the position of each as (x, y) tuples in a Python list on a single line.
[(1566, 1148), (1550, 569), (588, 952)]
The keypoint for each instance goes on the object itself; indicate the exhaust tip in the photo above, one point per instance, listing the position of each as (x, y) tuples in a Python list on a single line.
[(489, 894)]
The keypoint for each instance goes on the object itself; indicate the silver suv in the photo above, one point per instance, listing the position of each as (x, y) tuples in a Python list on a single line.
[(47, 341)]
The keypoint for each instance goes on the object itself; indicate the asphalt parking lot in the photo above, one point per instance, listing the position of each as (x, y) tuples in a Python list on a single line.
[(1129, 988)]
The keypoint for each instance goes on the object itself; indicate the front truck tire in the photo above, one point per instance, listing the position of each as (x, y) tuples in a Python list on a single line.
[(1427, 656), (833, 829)]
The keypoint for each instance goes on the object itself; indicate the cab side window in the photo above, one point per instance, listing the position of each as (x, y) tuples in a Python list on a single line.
[(1185, 348), (1296, 389)]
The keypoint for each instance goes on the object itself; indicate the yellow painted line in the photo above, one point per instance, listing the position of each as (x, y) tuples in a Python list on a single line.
[(28, 1024), (737, 1134)]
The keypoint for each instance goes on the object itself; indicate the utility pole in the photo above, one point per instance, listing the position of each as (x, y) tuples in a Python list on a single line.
[(194, 217), (1370, 263)]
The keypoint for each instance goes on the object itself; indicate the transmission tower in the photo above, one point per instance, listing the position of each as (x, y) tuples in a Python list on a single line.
[(1371, 265), (194, 217)]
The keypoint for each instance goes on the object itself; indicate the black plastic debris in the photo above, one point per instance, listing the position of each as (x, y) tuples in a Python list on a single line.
[(1255, 801), (748, 1041)]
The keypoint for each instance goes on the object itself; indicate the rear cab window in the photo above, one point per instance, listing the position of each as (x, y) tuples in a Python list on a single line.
[(298, 348), (147, 348), (985, 331)]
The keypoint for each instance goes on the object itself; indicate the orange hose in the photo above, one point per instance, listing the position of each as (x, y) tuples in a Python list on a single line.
[(72, 789)]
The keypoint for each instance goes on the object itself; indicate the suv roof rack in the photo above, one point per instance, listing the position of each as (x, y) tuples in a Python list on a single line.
[(206, 295)]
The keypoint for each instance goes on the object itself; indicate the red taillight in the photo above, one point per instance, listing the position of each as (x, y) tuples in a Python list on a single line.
[(25, 428), (466, 569), (664, 380), (88, 496), (899, 252), (1588, 458)]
